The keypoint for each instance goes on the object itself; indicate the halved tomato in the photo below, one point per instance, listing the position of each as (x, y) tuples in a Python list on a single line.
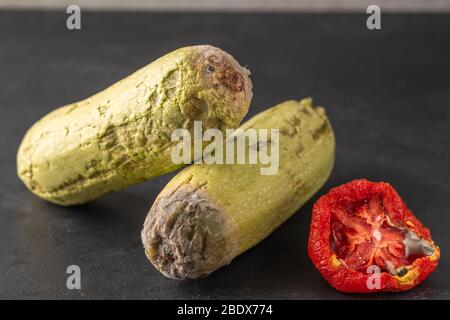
[(363, 238)]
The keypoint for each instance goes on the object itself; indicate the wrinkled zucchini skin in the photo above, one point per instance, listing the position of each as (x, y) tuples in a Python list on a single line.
[(122, 135), (209, 214)]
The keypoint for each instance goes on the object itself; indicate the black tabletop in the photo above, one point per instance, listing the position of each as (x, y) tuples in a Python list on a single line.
[(387, 93)]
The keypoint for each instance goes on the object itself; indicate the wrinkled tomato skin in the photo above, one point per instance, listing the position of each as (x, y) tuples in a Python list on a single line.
[(345, 279)]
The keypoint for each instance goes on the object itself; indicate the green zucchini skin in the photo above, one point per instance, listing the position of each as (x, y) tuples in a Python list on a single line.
[(122, 135), (210, 213)]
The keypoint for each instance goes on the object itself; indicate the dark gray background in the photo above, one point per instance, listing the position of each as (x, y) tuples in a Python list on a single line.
[(386, 93)]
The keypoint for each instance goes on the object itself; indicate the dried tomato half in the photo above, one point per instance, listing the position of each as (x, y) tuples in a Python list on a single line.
[(363, 238)]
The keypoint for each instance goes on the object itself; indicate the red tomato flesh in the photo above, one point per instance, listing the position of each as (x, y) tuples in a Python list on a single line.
[(361, 235)]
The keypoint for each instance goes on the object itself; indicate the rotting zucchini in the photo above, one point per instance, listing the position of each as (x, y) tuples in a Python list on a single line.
[(209, 214), (122, 135)]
